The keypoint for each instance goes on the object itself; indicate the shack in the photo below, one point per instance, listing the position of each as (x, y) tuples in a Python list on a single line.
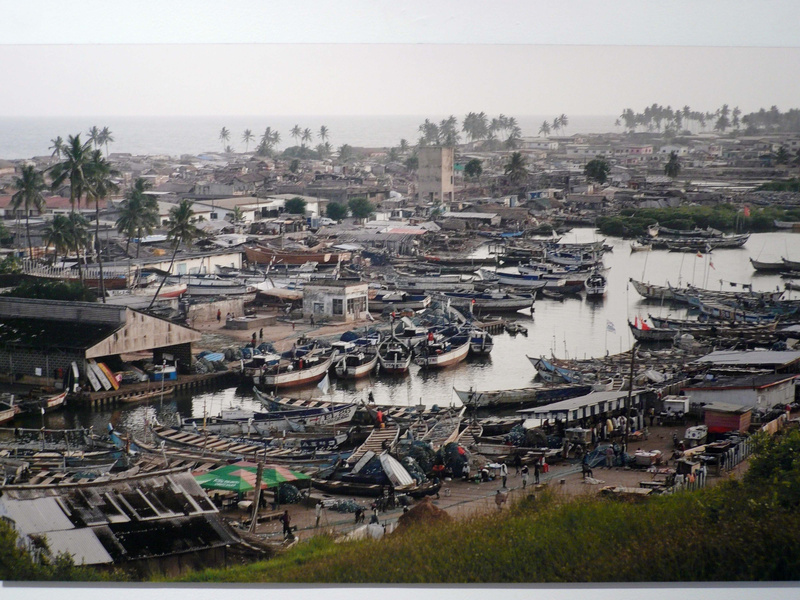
[(752, 391), (601, 405), (721, 417), (161, 522), (40, 338), (339, 300)]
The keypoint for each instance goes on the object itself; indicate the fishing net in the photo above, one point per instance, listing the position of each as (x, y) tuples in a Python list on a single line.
[(288, 494), (423, 455), (346, 506), (414, 469), (453, 457)]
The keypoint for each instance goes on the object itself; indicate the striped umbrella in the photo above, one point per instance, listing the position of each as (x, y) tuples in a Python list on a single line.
[(241, 477)]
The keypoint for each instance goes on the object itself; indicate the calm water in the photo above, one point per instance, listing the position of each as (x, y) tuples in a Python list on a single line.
[(25, 137), (572, 328)]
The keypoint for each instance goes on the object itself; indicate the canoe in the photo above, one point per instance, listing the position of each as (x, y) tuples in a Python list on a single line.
[(109, 375)]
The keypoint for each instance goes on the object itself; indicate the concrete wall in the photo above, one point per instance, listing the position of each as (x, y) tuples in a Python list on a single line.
[(207, 311), (25, 362), (778, 394), (435, 174)]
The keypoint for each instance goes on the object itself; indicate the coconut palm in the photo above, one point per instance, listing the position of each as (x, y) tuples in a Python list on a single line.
[(94, 135), (345, 153), (57, 234), (105, 138), (29, 195), (224, 136), (57, 147), (307, 136), (100, 185), (236, 215), (76, 157), (138, 214), (247, 137), (323, 133), (78, 237), (403, 146), (556, 125), (564, 121), (296, 133), (516, 170), (182, 230), (544, 128)]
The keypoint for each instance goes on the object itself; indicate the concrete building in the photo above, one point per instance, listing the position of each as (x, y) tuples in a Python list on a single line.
[(39, 337), (435, 174), (339, 300), (755, 391)]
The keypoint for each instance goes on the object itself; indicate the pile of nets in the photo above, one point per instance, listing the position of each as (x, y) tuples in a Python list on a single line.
[(288, 494), (423, 455), (452, 456), (346, 506), (232, 354)]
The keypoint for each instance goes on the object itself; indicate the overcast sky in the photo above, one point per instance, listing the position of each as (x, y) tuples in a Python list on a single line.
[(533, 57)]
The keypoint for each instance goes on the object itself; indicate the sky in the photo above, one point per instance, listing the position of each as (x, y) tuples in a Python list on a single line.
[(175, 57)]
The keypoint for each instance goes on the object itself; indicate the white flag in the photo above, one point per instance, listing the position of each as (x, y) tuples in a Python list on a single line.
[(610, 327), (324, 384)]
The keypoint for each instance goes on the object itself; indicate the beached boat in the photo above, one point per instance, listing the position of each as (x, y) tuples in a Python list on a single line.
[(264, 255), (787, 224), (215, 286), (528, 396), (439, 354)]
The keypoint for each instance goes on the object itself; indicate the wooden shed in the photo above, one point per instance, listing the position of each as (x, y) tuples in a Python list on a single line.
[(721, 417)]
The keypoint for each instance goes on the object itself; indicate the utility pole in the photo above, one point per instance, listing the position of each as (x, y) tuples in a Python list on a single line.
[(628, 401), (257, 497)]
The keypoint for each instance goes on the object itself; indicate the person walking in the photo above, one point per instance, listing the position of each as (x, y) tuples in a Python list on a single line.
[(317, 514), (536, 468), (287, 525), (517, 463), (524, 472), (504, 472), (219, 315), (312, 320), (261, 335), (609, 457)]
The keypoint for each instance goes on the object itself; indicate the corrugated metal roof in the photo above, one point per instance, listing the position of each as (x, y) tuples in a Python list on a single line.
[(579, 403), (82, 544), (37, 515), (751, 357)]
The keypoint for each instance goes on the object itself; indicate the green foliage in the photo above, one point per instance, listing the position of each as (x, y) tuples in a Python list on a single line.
[(412, 163), (473, 168), (294, 166), (776, 468), (597, 170), (299, 152), (792, 185), (296, 206), (361, 208), (10, 264), (72, 291), (336, 211), (17, 564), (725, 217)]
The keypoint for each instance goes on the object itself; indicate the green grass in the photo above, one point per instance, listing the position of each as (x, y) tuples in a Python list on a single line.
[(727, 533)]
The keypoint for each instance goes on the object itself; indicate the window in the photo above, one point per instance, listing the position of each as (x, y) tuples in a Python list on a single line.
[(356, 305), (338, 306), (318, 308)]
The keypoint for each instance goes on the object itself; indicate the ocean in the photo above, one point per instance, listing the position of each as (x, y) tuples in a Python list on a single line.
[(25, 137)]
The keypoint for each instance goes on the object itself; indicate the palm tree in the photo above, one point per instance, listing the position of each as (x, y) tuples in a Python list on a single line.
[(516, 169), (57, 234), (76, 157), (224, 136), (181, 230), (247, 137), (78, 236), (403, 146), (544, 128), (138, 214), (307, 135), (105, 138), (564, 121), (323, 133), (100, 185), (236, 215), (345, 153), (57, 147), (673, 166), (94, 135), (296, 133), (556, 125), (29, 194)]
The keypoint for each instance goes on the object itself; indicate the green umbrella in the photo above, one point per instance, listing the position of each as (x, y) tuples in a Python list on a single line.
[(241, 477)]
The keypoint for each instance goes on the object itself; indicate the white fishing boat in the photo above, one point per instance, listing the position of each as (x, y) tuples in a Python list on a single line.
[(596, 284), (394, 356)]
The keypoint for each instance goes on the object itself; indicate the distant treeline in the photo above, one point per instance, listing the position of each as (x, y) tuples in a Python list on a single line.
[(725, 217), (664, 118)]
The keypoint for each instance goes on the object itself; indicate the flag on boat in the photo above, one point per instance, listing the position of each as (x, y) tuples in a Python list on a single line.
[(610, 327), (746, 211), (324, 385), (636, 322), (711, 264), (699, 254), (645, 326)]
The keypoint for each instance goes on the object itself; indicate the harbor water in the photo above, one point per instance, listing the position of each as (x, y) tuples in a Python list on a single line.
[(572, 328)]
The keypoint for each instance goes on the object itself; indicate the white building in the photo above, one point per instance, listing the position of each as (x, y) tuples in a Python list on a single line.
[(436, 174)]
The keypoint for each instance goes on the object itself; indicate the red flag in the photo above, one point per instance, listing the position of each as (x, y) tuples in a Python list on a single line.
[(636, 322), (746, 211), (699, 254), (711, 264), (645, 326)]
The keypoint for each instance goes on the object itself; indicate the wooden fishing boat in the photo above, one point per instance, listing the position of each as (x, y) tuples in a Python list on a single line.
[(297, 371), (528, 396), (768, 266), (490, 301), (445, 430), (445, 353), (551, 373), (651, 291), (641, 247), (264, 255), (480, 342), (531, 282), (356, 365), (652, 334), (596, 285), (394, 356), (45, 403)]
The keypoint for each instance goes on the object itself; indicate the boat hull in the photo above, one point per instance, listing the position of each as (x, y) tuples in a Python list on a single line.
[(445, 359)]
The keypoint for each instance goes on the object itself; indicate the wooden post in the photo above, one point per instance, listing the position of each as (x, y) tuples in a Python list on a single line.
[(628, 403), (257, 497)]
